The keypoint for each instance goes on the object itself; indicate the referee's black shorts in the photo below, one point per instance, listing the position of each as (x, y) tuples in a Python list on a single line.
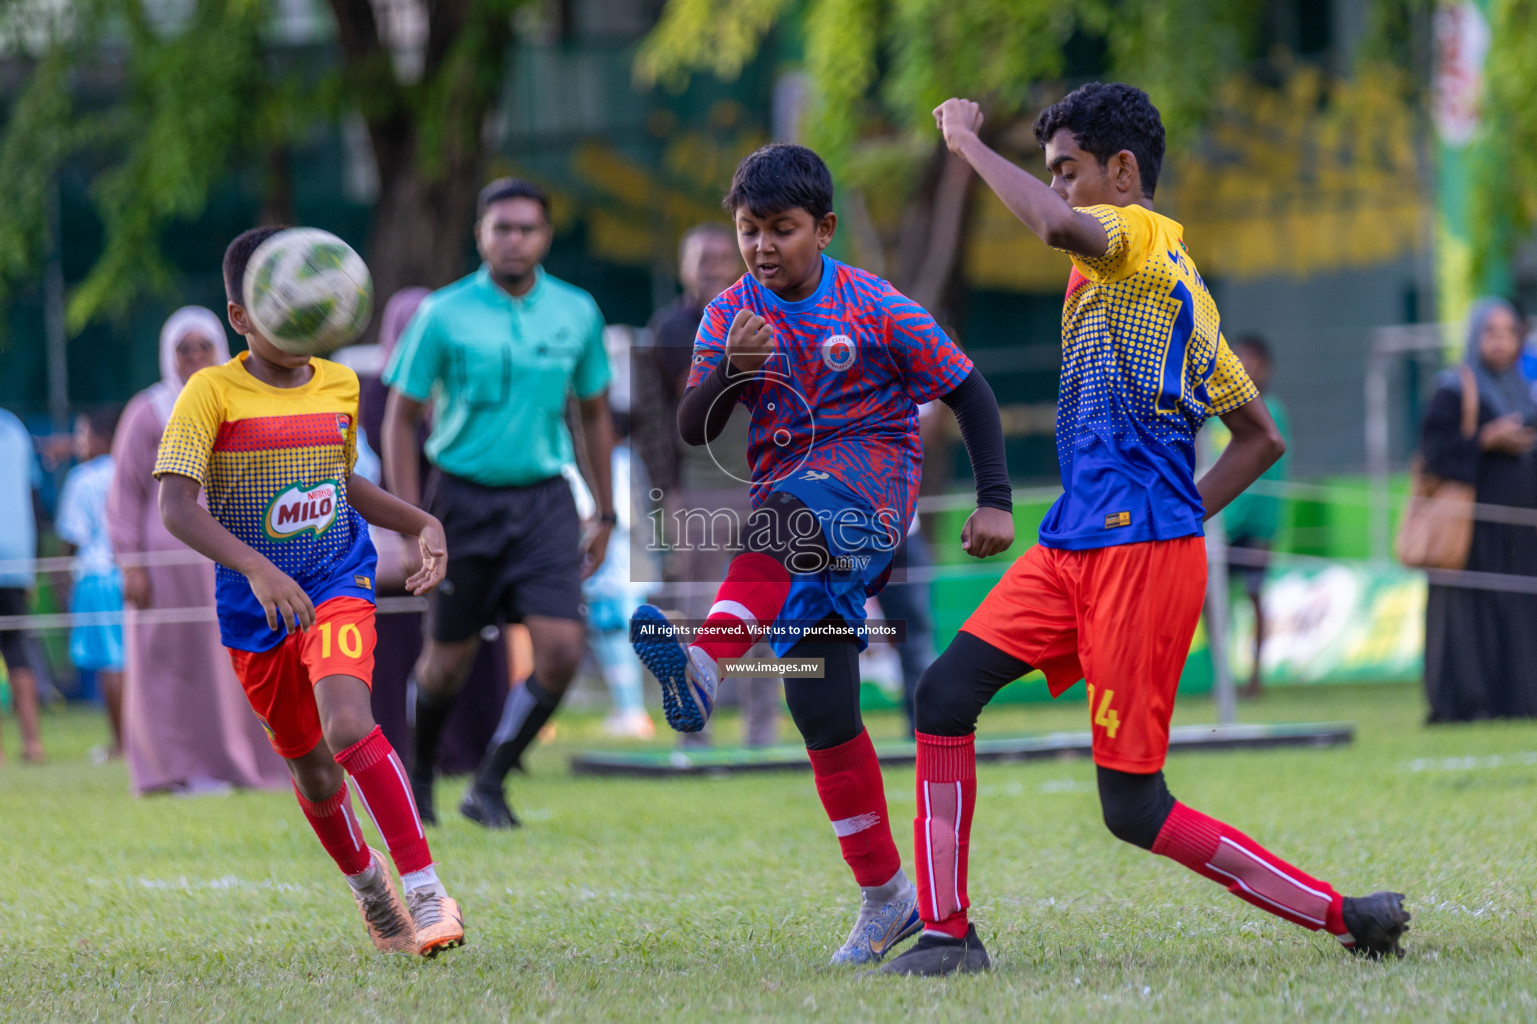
[(512, 552)]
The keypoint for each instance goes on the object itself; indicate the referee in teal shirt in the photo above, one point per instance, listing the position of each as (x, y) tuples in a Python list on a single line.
[(497, 354)]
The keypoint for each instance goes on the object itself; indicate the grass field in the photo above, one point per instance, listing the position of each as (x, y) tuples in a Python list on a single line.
[(721, 899)]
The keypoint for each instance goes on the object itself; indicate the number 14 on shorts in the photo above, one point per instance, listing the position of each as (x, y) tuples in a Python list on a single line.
[(1103, 714)]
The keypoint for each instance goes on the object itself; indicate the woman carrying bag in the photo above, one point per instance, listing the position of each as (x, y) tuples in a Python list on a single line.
[(1481, 644)]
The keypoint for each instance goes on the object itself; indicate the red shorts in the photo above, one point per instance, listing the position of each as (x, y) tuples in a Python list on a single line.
[(280, 682), (1122, 618)]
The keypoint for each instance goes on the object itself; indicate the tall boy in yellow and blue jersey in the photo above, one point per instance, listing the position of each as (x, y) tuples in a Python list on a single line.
[(1113, 590), (271, 437)]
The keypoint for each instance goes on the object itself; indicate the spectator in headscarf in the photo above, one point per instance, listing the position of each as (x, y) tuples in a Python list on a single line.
[(1480, 644), (186, 724)]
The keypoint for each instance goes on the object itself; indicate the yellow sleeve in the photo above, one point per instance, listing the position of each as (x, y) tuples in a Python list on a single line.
[(1131, 232), (191, 431), (1229, 386)]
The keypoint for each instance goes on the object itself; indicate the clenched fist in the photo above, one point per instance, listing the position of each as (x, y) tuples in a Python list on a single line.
[(959, 120), (749, 342)]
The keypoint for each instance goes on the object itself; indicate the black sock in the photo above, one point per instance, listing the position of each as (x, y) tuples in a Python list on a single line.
[(431, 713), (528, 707)]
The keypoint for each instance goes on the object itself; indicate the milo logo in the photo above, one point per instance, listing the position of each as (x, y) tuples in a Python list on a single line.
[(301, 508)]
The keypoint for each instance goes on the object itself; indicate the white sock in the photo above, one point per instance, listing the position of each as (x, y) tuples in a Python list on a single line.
[(882, 893), (365, 879), (426, 878)]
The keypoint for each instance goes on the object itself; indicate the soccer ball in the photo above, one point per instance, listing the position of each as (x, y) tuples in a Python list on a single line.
[(307, 291)]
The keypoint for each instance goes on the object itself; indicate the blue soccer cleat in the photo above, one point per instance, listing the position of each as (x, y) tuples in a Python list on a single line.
[(688, 675), (887, 915)]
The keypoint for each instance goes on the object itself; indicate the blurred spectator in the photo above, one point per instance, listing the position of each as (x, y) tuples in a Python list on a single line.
[(20, 475), (95, 647), (1253, 519), (187, 727), (473, 719), (614, 592), (1480, 645), (708, 264)]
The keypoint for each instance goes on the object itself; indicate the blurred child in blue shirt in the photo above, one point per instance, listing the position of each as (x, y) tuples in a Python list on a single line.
[(95, 647)]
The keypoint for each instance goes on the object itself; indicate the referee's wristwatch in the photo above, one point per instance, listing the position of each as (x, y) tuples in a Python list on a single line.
[(609, 519)]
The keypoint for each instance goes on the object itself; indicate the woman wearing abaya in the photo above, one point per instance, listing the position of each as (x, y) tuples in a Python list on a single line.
[(186, 725), (1481, 644)]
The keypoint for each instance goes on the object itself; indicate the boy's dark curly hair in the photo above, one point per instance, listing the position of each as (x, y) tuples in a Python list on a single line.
[(1105, 119), (780, 177)]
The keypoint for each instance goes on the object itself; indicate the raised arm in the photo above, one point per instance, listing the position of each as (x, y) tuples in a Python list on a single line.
[(1031, 200), (1255, 447), (281, 598)]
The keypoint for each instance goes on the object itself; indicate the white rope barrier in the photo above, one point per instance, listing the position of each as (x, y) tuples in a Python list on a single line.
[(1499, 582), (163, 616)]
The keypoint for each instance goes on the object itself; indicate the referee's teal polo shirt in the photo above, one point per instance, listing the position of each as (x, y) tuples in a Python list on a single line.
[(497, 370)]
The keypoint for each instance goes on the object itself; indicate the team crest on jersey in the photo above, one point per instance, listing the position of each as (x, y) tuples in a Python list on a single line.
[(839, 352), (343, 421), (301, 508)]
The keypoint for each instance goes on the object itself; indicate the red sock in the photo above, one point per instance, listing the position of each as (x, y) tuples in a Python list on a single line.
[(754, 593), (947, 795), (1249, 871), (381, 782), (338, 829), (854, 796)]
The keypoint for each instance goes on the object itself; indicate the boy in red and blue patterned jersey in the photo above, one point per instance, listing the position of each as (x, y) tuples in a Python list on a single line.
[(271, 438), (1113, 590), (832, 364)]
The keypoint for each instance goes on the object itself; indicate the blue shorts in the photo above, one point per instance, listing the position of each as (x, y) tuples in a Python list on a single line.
[(97, 647), (861, 543)]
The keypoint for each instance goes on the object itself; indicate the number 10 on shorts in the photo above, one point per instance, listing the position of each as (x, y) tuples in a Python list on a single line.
[(1104, 715), (349, 640)]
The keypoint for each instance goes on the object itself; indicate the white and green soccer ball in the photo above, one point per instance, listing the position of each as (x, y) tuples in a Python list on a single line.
[(307, 291)]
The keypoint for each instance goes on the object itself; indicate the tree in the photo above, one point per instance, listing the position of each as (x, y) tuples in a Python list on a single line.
[(192, 98), (875, 68)]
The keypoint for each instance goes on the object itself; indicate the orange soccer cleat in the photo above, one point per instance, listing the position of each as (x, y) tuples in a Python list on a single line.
[(439, 924), (389, 926)]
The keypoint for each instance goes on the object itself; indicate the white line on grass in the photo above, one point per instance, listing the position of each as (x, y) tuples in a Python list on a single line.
[(226, 882), (1470, 763)]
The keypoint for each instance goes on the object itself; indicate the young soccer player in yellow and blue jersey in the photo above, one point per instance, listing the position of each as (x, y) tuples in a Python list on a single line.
[(1113, 590), (272, 438)]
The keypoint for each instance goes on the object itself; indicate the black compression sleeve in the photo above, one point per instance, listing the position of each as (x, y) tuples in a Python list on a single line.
[(976, 410), (701, 417)]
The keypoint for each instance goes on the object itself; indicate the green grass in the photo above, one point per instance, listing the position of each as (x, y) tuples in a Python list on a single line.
[(721, 899)]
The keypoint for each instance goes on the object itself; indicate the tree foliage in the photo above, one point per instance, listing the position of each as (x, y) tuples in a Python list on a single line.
[(876, 65), (194, 96), (1505, 196), (874, 70)]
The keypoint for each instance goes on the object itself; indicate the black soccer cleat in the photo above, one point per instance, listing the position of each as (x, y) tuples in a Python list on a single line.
[(1376, 922), (937, 955), (421, 794), (487, 808)]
